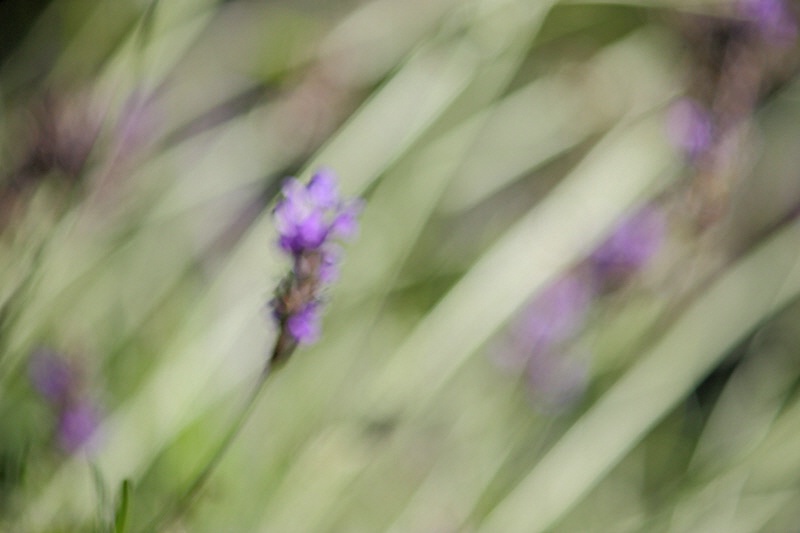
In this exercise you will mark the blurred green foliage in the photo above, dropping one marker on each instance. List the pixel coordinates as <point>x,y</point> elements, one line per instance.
<point>497,143</point>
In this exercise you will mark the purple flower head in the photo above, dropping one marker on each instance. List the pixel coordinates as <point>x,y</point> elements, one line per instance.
<point>690,128</point>
<point>56,379</point>
<point>77,423</point>
<point>551,319</point>
<point>323,189</point>
<point>309,219</point>
<point>304,325</point>
<point>345,225</point>
<point>329,267</point>
<point>773,19</point>
<point>308,215</point>
<point>539,343</point>
<point>51,375</point>
<point>632,244</point>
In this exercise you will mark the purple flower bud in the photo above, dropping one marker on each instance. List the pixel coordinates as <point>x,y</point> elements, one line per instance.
<point>632,244</point>
<point>308,215</point>
<point>295,218</point>
<point>345,225</point>
<point>538,343</point>
<point>305,324</point>
<point>312,232</point>
<point>76,425</point>
<point>323,190</point>
<point>57,381</point>
<point>556,313</point>
<point>51,375</point>
<point>773,19</point>
<point>552,318</point>
<point>690,128</point>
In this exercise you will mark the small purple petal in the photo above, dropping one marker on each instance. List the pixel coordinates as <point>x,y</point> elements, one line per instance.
<point>51,375</point>
<point>290,244</point>
<point>323,190</point>
<point>295,206</point>
<point>293,190</point>
<point>305,324</point>
<point>345,225</point>
<point>313,231</point>
<point>773,18</point>
<point>690,127</point>
<point>555,315</point>
<point>306,216</point>
<point>76,425</point>
<point>329,269</point>
<point>632,244</point>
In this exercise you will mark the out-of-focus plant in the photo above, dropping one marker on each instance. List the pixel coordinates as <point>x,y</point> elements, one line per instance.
<point>602,196</point>
<point>59,383</point>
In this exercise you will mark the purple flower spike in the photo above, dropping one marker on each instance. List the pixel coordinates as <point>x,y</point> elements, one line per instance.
<point>51,375</point>
<point>76,425</point>
<point>632,244</point>
<point>311,233</point>
<point>309,218</point>
<point>345,225</point>
<point>58,382</point>
<point>308,215</point>
<point>773,19</point>
<point>546,324</point>
<point>539,343</point>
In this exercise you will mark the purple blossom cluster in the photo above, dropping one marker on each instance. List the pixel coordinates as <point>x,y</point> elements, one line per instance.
<point>310,219</point>
<point>726,84</point>
<point>540,340</point>
<point>773,19</point>
<point>537,343</point>
<point>556,314</point>
<point>58,382</point>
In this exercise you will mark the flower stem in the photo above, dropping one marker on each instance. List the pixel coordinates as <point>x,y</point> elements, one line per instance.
<point>177,509</point>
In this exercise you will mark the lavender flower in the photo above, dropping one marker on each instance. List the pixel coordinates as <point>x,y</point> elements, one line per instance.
<point>538,343</point>
<point>51,375</point>
<point>551,319</point>
<point>304,325</point>
<point>556,314</point>
<point>632,244</point>
<point>57,380</point>
<point>77,423</point>
<point>773,19</point>
<point>690,128</point>
<point>309,218</point>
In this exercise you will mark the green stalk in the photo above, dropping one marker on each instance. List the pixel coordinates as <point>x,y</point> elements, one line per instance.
<point>190,495</point>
